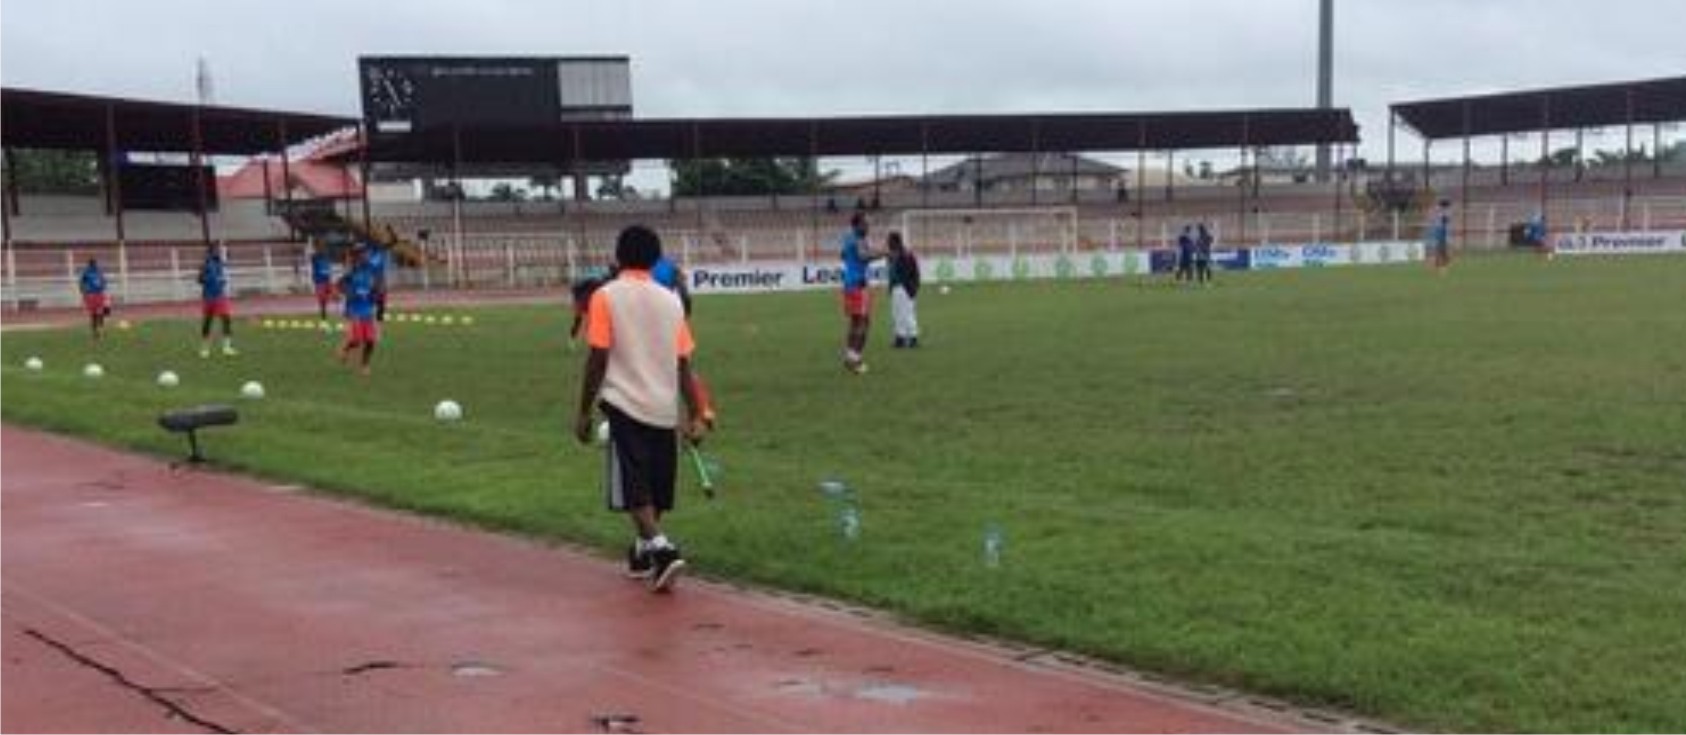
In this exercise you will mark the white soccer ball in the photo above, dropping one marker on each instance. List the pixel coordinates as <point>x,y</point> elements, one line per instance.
<point>168,379</point>
<point>447,320</point>
<point>252,390</point>
<point>943,290</point>
<point>428,319</point>
<point>93,370</point>
<point>33,363</point>
<point>602,432</point>
<point>467,321</point>
<point>447,410</point>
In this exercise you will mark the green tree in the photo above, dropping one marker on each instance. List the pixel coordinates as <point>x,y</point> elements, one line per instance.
<point>55,172</point>
<point>748,176</point>
<point>505,192</point>
<point>545,183</point>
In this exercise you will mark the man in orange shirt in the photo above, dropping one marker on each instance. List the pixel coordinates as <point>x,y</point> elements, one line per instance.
<point>638,369</point>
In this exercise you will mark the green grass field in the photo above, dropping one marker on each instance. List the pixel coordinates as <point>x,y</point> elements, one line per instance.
<point>1450,503</point>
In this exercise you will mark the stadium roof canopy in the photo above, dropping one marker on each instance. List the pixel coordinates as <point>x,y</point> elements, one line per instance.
<point>585,141</point>
<point>1603,105</point>
<point>37,119</point>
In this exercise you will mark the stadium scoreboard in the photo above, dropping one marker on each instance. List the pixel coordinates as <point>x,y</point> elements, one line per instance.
<point>415,94</point>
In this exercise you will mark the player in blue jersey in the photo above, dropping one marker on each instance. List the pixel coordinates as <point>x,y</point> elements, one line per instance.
<point>94,300</point>
<point>213,299</point>
<point>857,254</point>
<point>322,278</point>
<point>361,331</point>
<point>378,259</point>
<point>1440,236</point>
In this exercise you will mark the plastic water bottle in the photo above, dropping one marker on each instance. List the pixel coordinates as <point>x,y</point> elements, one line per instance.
<point>994,543</point>
<point>849,521</point>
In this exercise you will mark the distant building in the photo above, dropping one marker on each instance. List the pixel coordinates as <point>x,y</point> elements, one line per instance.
<point>1024,172</point>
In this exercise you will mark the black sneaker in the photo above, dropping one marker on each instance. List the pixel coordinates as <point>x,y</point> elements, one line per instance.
<point>666,566</point>
<point>898,344</point>
<point>912,342</point>
<point>638,563</point>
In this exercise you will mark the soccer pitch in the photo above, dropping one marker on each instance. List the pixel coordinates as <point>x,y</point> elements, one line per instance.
<point>1448,502</point>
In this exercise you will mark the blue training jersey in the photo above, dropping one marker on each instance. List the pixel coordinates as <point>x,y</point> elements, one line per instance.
<point>665,273</point>
<point>321,268</point>
<point>854,264</point>
<point>93,281</point>
<point>1441,231</point>
<point>359,289</point>
<point>377,260</point>
<point>213,279</point>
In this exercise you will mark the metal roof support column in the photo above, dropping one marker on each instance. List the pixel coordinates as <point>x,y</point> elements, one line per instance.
<point>1035,159</point>
<point>924,164</point>
<point>1339,174</point>
<point>1545,153</point>
<point>286,178</point>
<point>1504,159</point>
<point>455,272</point>
<point>1463,194</point>
<point>1241,182</point>
<point>1141,185</point>
<point>1627,164</point>
<point>363,174</point>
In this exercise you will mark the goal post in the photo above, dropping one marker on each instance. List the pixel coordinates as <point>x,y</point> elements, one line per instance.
<point>999,231</point>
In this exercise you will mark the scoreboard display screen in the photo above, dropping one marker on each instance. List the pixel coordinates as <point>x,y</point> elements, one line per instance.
<point>410,94</point>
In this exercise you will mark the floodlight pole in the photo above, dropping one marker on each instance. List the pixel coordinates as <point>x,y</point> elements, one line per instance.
<point>1580,153</point>
<point>1325,74</point>
<point>199,175</point>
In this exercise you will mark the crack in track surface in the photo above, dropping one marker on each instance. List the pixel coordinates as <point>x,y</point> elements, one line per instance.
<point>150,693</point>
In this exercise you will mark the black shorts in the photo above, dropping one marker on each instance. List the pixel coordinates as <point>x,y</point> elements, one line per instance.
<point>640,463</point>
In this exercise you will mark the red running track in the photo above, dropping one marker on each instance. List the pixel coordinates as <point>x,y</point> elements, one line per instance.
<point>138,598</point>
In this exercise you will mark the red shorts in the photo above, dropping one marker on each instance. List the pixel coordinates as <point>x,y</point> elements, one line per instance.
<point>857,302</point>
<point>324,292</point>
<point>362,332</point>
<point>95,303</point>
<point>217,307</point>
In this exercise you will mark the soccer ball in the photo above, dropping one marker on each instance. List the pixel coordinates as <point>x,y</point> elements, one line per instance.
<point>467,320</point>
<point>428,319</point>
<point>447,410</point>
<point>93,370</point>
<point>33,363</point>
<point>123,324</point>
<point>168,379</point>
<point>602,432</point>
<point>943,290</point>
<point>268,324</point>
<point>252,390</point>
<point>447,320</point>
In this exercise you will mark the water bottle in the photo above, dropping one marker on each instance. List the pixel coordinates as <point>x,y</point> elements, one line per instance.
<point>994,543</point>
<point>849,522</point>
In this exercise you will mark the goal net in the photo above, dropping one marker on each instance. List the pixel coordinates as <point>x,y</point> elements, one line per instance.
<point>1007,231</point>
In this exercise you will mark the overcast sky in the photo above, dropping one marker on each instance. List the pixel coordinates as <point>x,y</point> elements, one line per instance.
<point>823,57</point>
